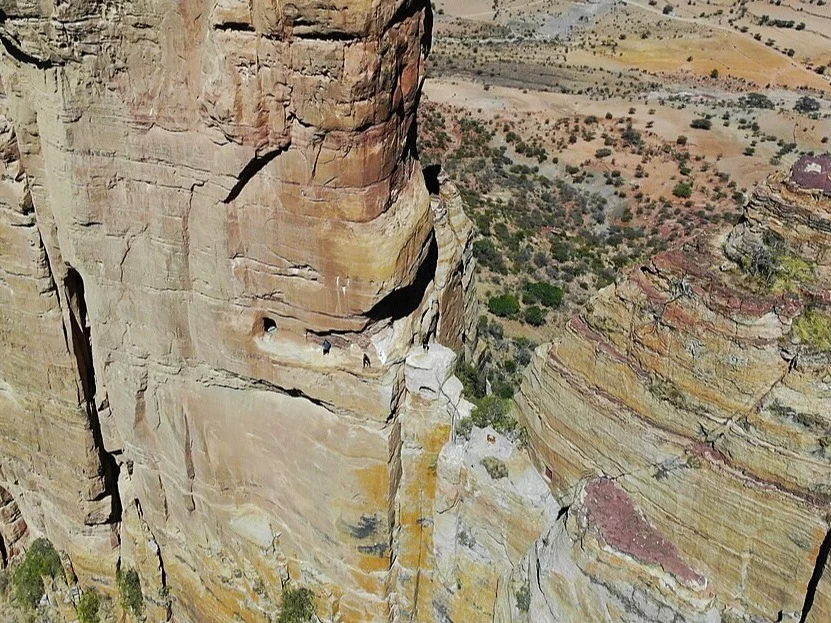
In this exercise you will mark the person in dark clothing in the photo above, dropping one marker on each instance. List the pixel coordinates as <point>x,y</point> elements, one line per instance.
<point>327,346</point>
<point>367,362</point>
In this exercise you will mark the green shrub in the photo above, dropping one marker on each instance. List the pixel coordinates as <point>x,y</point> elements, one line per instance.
<point>701,124</point>
<point>534,316</point>
<point>129,590</point>
<point>561,251</point>
<point>493,411</point>
<point>814,328</point>
<point>298,606</point>
<point>464,427</point>
<point>791,272</point>
<point>41,560</point>
<point>523,598</point>
<point>473,380</point>
<point>683,190</point>
<point>603,152</point>
<point>504,306</point>
<point>88,607</point>
<point>496,469</point>
<point>543,293</point>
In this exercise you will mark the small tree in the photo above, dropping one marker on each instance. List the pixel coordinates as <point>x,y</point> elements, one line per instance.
<point>714,74</point>
<point>668,9</point>
<point>806,104</point>
<point>701,123</point>
<point>88,606</point>
<point>543,293</point>
<point>41,560</point>
<point>681,140</point>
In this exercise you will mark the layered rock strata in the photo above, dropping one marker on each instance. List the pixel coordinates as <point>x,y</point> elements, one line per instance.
<point>195,197</point>
<point>683,419</point>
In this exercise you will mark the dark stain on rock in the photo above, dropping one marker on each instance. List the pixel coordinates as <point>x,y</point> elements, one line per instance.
<point>367,526</point>
<point>378,549</point>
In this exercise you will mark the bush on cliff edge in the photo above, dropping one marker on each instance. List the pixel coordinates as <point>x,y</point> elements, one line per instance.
<point>129,590</point>
<point>298,606</point>
<point>41,560</point>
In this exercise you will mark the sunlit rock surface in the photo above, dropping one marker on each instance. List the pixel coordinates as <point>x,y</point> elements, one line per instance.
<point>688,390</point>
<point>195,197</point>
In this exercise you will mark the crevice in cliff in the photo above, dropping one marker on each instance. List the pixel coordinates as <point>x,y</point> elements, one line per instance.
<point>254,166</point>
<point>80,332</point>
<point>235,27</point>
<point>816,576</point>
<point>82,350</point>
<point>4,554</point>
<point>22,56</point>
<point>404,301</point>
<point>333,35</point>
<point>246,381</point>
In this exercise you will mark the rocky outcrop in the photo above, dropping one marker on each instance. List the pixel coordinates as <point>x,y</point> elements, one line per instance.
<point>195,197</point>
<point>682,418</point>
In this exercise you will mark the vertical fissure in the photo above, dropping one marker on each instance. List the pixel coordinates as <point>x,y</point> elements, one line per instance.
<point>816,576</point>
<point>81,337</point>
<point>4,554</point>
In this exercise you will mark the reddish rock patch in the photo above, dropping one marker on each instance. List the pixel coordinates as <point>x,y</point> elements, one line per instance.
<point>624,528</point>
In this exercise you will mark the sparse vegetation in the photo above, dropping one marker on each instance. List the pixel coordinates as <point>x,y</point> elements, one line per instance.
<point>523,598</point>
<point>88,606</point>
<point>496,469</point>
<point>129,591</point>
<point>813,327</point>
<point>298,605</point>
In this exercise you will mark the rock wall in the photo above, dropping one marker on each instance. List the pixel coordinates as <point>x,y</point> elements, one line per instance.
<point>195,196</point>
<point>682,419</point>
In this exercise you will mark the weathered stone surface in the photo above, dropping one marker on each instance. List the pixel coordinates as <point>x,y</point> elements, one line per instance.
<point>483,527</point>
<point>194,196</point>
<point>686,384</point>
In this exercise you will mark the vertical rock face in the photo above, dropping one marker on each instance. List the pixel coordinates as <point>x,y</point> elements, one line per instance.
<point>195,197</point>
<point>684,417</point>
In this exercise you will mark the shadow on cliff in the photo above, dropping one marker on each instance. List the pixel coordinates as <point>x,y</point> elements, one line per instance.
<point>404,301</point>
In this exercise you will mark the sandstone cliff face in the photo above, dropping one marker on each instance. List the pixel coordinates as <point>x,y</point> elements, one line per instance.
<point>194,196</point>
<point>682,419</point>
